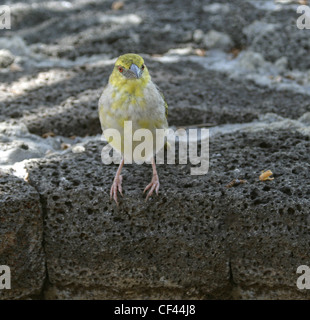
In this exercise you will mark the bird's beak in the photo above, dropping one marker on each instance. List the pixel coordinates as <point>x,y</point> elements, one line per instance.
<point>136,70</point>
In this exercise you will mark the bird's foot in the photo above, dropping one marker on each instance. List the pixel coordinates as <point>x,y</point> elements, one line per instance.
<point>116,186</point>
<point>154,185</point>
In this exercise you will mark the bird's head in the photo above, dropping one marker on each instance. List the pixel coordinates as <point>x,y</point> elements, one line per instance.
<point>130,67</point>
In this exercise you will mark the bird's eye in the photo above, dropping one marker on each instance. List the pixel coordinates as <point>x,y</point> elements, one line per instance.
<point>143,66</point>
<point>120,69</point>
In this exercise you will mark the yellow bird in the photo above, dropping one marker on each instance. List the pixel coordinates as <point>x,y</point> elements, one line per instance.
<point>130,95</point>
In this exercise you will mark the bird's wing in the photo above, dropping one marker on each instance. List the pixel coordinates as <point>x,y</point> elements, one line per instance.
<point>166,105</point>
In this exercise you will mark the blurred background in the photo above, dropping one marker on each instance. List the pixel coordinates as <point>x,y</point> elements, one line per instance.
<point>217,62</point>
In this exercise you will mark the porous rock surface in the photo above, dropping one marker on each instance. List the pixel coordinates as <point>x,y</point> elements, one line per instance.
<point>21,230</point>
<point>197,239</point>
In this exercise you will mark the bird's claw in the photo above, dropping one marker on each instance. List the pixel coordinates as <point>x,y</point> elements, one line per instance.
<point>116,186</point>
<point>153,185</point>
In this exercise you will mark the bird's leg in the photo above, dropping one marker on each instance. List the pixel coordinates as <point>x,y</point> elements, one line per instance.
<point>154,185</point>
<point>117,183</point>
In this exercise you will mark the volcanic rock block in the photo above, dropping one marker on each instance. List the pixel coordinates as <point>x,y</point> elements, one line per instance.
<point>21,231</point>
<point>197,239</point>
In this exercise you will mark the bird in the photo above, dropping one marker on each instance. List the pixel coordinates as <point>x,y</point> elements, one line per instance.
<point>131,95</point>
